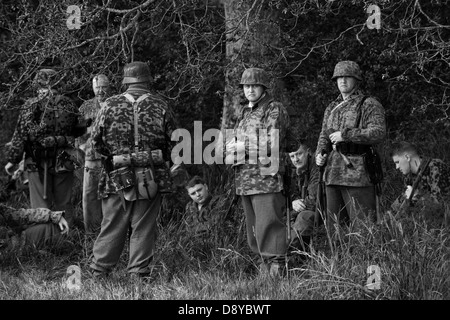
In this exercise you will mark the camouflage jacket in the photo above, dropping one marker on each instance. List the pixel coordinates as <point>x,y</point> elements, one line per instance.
<point>249,178</point>
<point>308,178</point>
<point>434,183</point>
<point>341,116</point>
<point>113,131</point>
<point>204,220</point>
<point>42,117</point>
<point>88,110</point>
<point>20,219</point>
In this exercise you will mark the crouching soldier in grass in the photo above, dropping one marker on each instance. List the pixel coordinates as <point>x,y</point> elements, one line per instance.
<point>38,227</point>
<point>201,215</point>
<point>304,181</point>
<point>427,184</point>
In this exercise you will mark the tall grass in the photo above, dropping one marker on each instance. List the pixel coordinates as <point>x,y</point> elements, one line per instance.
<point>412,259</point>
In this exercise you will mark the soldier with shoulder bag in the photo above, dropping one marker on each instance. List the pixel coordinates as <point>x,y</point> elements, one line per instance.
<point>132,132</point>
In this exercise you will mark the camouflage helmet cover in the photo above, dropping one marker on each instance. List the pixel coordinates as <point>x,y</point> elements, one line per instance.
<point>136,72</point>
<point>255,76</point>
<point>347,69</point>
<point>45,78</point>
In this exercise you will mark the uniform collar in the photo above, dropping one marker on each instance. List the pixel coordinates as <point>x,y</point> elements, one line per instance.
<point>137,90</point>
<point>205,204</point>
<point>357,93</point>
<point>264,100</point>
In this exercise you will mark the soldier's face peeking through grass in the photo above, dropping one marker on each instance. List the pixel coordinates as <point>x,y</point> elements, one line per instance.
<point>198,193</point>
<point>346,85</point>
<point>299,158</point>
<point>253,92</point>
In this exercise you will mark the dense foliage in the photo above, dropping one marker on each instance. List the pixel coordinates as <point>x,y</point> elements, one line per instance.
<point>196,50</point>
<point>406,62</point>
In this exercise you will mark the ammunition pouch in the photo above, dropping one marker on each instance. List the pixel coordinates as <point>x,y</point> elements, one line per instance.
<point>136,183</point>
<point>55,141</point>
<point>51,148</point>
<point>64,162</point>
<point>161,175</point>
<point>123,178</point>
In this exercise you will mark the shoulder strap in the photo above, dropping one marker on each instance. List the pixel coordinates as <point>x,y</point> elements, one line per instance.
<point>135,103</point>
<point>358,110</point>
<point>130,98</point>
<point>241,115</point>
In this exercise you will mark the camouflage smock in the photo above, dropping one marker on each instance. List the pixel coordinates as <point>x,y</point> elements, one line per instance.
<point>21,218</point>
<point>311,175</point>
<point>203,221</point>
<point>341,116</point>
<point>89,110</point>
<point>41,117</point>
<point>266,114</point>
<point>113,130</point>
<point>435,181</point>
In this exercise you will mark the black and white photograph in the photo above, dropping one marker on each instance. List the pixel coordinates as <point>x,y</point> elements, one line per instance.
<point>225,158</point>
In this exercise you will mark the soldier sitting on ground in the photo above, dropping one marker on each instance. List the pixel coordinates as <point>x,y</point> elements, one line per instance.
<point>35,227</point>
<point>201,218</point>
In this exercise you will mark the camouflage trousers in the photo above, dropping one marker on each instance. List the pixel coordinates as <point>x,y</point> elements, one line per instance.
<point>92,206</point>
<point>266,230</point>
<point>139,216</point>
<point>59,192</point>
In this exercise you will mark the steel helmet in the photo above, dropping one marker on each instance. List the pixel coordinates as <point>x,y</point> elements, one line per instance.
<point>255,76</point>
<point>136,72</point>
<point>45,78</point>
<point>347,69</point>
